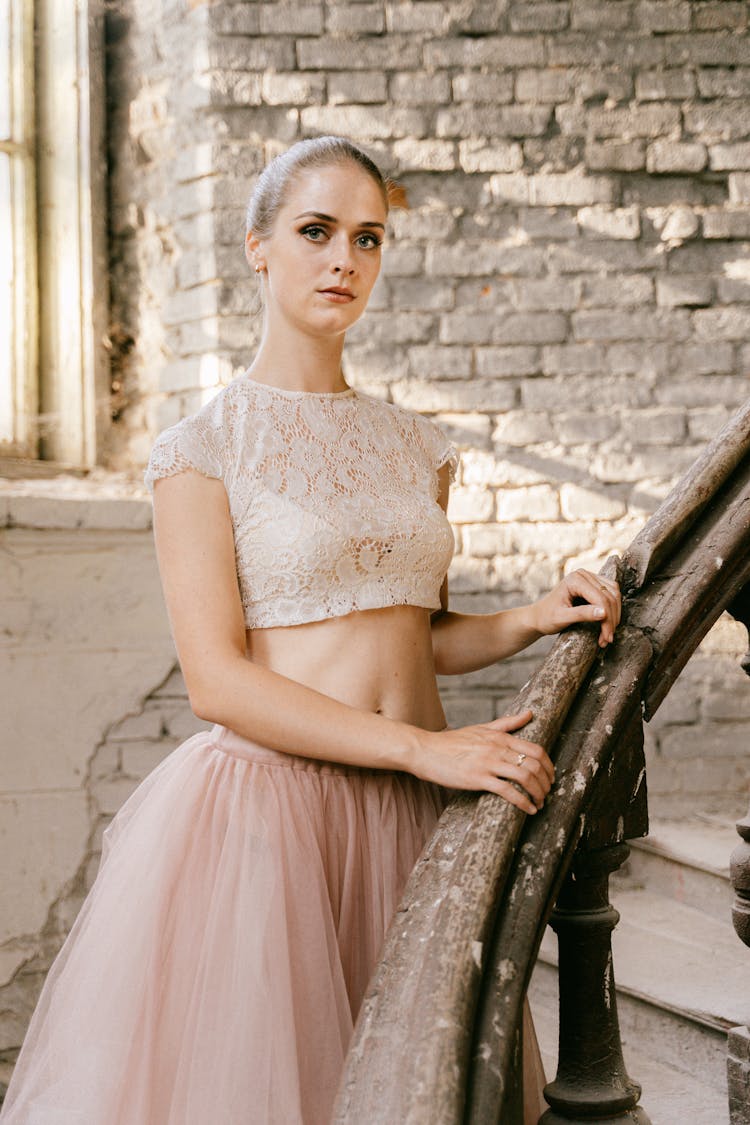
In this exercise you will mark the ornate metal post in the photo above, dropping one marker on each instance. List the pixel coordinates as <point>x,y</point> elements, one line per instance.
<point>738,1040</point>
<point>592,1083</point>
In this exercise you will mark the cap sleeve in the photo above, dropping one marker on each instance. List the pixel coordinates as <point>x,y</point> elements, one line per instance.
<point>190,444</point>
<point>441,449</point>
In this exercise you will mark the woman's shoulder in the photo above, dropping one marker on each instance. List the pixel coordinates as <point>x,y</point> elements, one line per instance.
<point>394,412</point>
<point>416,429</point>
<point>200,440</point>
<point>222,414</point>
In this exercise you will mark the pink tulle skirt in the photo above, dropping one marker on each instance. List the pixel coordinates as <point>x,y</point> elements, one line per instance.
<point>214,972</point>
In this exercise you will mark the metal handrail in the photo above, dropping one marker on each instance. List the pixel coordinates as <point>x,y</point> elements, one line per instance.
<point>437,1037</point>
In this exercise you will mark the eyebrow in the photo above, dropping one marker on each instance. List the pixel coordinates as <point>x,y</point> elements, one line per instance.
<point>330,219</point>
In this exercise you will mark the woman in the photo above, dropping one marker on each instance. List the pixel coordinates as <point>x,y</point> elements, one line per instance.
<point>216,967</point>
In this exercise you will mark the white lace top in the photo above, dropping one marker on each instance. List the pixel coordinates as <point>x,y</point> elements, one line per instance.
<point>332,498</point>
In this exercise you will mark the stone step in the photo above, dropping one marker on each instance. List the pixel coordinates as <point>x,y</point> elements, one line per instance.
<point>681,983</point>
<point>670,1094</point>
<point>684,959</point>
<point>687,861</point>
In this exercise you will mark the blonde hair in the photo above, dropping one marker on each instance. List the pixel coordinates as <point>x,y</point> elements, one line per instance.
<point>277,177</point>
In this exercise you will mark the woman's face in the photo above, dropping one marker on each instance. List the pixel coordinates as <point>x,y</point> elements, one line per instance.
<point>323,256</point>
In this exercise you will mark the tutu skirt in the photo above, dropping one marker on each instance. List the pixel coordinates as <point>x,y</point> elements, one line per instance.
<point>216,967</point>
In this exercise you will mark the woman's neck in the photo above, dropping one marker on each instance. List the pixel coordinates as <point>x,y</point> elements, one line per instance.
<point>299,363</point>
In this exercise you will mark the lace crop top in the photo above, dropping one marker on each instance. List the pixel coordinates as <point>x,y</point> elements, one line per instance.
<point>332,498</point>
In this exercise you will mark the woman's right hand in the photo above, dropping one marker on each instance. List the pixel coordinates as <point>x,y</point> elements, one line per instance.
<point>490,757</point>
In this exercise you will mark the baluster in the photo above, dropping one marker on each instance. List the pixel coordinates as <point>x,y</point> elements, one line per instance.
<point>738,1041</point>
<point>592,1082</point>
<point>739,608</point>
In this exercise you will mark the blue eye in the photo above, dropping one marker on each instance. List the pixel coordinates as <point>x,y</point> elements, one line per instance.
<point>369,241</point>
<point>312,232</point>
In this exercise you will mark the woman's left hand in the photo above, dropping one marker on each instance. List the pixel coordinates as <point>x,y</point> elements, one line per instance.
<point>556,610</point>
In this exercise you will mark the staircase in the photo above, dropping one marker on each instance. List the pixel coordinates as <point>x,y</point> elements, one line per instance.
<point>437,1037</point>
<point>680,969</point>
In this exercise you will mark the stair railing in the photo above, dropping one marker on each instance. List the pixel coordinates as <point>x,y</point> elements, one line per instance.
<point>439,1037</point>
<point>738,1043</point>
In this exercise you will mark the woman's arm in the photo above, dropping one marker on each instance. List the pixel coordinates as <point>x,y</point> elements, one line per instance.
<point>464,642</point>
<point>195,550</point>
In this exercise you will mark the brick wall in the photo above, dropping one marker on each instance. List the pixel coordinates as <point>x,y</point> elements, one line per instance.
<point>568,292</point>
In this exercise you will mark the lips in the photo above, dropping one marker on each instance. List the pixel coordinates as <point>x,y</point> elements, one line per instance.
<point>337,293</point>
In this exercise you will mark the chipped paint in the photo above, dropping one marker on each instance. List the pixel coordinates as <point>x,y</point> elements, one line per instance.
<point>476,953</point>
<point>608,978</point>
<point>506,971</point>
<point>579,782</point>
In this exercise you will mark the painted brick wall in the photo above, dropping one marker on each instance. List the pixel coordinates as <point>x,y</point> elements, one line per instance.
<point>568,292</point>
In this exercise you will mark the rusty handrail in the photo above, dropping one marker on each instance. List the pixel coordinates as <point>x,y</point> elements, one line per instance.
<point>436,1036</point>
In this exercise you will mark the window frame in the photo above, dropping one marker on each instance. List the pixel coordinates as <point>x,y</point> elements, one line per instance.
<point>66,404</point>
<point>21,394</point>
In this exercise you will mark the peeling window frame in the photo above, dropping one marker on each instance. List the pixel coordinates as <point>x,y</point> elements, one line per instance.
<point>59,368</point>
<point>19,396</point>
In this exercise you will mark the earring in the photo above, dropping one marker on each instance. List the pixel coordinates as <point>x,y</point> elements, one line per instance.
<point>257,268</point>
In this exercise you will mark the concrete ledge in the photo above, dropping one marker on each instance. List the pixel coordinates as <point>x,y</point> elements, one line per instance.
<point>99,502</point>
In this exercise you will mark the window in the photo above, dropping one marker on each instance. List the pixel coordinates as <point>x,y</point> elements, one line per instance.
<point>18,324</point>
<point>54,393</point>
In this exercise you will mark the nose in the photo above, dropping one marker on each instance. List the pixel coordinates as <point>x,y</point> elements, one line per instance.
<point>341,256</point>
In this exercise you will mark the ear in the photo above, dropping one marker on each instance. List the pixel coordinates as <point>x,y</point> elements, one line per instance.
<point>254,252</point>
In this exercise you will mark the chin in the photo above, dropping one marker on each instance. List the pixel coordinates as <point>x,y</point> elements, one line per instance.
<point>338,320</point>
<point>322,331</point>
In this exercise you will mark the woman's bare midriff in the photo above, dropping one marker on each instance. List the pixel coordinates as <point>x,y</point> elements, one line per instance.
<point>377,660</point>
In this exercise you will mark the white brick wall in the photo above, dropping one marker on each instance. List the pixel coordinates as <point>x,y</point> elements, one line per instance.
<point>568,292</point>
